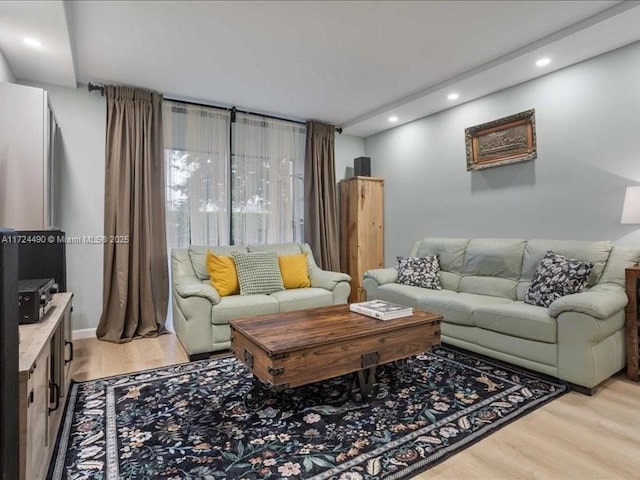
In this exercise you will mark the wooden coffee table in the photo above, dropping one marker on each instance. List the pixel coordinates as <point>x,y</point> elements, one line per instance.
<point>287,350</point>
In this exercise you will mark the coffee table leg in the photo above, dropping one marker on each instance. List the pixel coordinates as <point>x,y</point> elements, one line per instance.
<point>366,381</point>
<point>257,396</point>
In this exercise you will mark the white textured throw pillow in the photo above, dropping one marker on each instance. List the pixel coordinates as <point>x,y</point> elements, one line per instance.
<point>258,273</point>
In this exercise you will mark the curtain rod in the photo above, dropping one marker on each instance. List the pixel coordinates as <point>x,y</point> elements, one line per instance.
<point>100,88</point>
<point>93,87</point>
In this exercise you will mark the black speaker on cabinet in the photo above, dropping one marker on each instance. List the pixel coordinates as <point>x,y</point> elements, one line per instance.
<point>42,254</point>
<point>9,400</point>
<point>362,167</point>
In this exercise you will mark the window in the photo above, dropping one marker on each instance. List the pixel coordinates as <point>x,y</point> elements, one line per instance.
<point>267,165</point>
<point>196,141</point>
<point>231,183</point>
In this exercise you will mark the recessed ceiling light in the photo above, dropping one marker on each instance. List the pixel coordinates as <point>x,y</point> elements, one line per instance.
<point>32,42</point>
<point>393,119</point>
<point>543,62</point>
<point>453,96</point>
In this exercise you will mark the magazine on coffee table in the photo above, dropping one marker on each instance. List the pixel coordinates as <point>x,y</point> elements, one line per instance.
<point>381,309</point>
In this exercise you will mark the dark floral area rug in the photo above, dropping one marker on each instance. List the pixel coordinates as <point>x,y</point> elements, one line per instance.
<point>190,421</point>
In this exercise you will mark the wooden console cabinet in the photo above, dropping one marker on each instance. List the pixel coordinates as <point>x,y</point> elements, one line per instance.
<point>632,280</point>
<point>361,230</point>
<point>45,359</point>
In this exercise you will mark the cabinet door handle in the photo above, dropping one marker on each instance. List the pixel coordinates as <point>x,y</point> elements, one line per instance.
<point>31,397</point>
<point>56,393</point>
<point>67,342</point>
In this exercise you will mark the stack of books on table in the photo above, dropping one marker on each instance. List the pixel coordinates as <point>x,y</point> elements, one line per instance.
<point>381,310</point>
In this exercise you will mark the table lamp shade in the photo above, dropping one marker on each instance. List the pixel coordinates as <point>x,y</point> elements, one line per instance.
<point>631,206</point>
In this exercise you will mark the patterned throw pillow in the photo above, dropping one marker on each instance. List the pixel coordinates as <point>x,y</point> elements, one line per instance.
<point>258,273</point>
<point>419,271</point>
<point>555,277</point>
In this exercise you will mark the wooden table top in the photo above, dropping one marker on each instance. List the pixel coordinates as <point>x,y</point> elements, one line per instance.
<point>289,331</point>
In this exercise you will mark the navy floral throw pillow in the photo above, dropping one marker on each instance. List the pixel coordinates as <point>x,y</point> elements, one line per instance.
<point>556,277</point>
<point>419,271</point>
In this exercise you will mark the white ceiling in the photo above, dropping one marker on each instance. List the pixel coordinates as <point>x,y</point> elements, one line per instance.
<point>45,21</point>
<point>351,63</point>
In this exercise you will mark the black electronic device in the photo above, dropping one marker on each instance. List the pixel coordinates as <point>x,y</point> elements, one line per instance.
<point>42,254</point>
<point>34,298</point>
<point>362,167</point>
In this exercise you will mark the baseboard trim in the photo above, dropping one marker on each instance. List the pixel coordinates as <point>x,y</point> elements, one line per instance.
<point>91,333</point>
<point>83,333</point>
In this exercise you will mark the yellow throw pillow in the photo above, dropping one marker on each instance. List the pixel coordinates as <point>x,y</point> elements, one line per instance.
<point>293,269</point>
<point>223,275</point>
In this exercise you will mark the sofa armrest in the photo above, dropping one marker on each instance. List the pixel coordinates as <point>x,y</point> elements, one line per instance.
<point>184,279</point>
<point>322,278</point>
<point>601,302</point>
<point>192,287</point>
<point>326,279</point>
<point>382,275</point>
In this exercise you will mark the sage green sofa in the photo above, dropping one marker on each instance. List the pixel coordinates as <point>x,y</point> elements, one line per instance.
<point>580,338</point>
<point>201,316</point>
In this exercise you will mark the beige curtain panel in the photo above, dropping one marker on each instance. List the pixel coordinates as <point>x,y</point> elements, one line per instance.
<point>320,214</point>
<point>136,282</point>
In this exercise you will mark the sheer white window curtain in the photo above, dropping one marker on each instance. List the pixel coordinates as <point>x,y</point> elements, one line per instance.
<point>196,140</point>
<point>252,193</point>
<point>267,180</point>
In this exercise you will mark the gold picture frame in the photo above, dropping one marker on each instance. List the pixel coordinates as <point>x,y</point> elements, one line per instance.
<point>504,141</point>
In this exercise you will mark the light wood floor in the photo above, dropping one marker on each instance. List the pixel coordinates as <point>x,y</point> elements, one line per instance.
<point>573,437</point>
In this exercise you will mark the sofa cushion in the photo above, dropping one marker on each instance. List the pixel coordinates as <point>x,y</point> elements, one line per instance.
<point>596,252</point>
<point>419,271</point>
<point>294,271</point>
<point>258,272</point>
<point>518,319</point>
<point>450,253</point>
<point>223,274</point>
<point>198,255</point>
<point>492,286</point>
<point>457,308</point>
<point>408,294</point>
<point>302,298</point>
<point>494,257</point>
<point>238,306</point>
<point>556,277</point>
<point>492,267</point>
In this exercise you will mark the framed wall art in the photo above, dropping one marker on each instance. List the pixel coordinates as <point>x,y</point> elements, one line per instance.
<point>504,141</point>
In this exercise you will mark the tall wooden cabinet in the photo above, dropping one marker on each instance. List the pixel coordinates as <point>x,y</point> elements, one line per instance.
<point>45,355</point>
<point>361,229</point>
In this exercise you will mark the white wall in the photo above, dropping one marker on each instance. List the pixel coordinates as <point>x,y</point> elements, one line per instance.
<point>6,74</point>
<point>82,119</point>
<point>347,147</point>
<point>588,151</point>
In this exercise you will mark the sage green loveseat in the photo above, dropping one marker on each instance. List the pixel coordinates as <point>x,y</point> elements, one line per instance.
<point>201,316</point>
<point>580,338</point>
